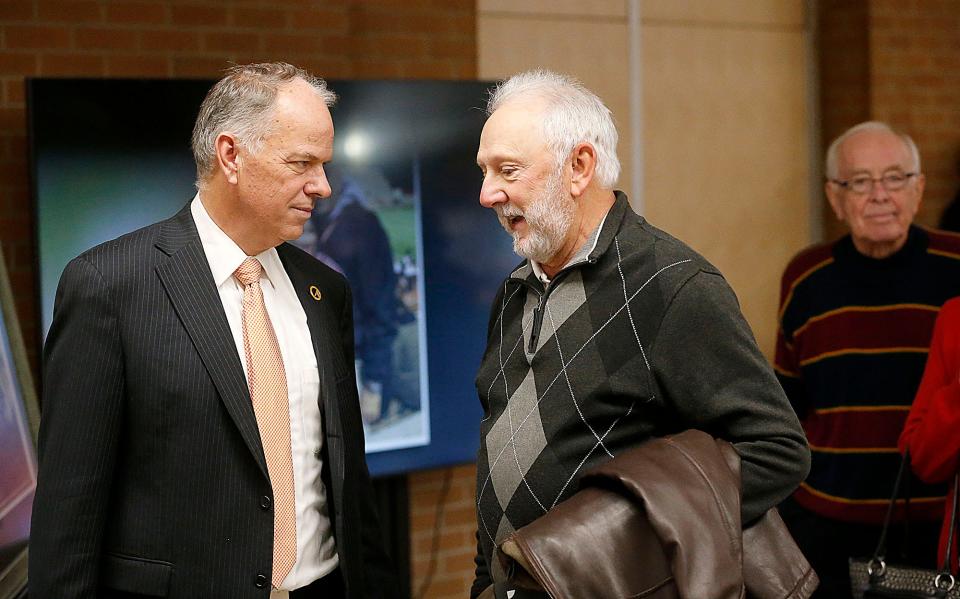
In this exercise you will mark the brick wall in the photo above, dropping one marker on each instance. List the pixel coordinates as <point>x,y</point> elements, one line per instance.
<point>915,74</point>
<point>896,61</point>
<point>442,557</point>
<point>370,39</point>
<point>844,67</point>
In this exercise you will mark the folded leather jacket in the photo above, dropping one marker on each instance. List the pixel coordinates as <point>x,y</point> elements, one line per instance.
<point>661,521</point>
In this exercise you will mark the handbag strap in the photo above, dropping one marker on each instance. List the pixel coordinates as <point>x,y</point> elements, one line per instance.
<point>945,581</point>
<point>880,553</point>
<point>953,526</point>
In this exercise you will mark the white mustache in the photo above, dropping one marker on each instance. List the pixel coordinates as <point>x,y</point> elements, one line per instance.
<point>509,211</point>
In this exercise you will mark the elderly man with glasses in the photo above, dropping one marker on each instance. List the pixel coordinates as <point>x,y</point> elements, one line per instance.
<point>856,317</point>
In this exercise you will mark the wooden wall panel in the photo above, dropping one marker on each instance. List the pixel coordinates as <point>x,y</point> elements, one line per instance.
<point>724,117</point>
<point>726,150</point>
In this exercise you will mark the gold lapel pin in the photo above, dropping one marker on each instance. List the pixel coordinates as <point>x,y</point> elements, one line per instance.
<point>315,293</point>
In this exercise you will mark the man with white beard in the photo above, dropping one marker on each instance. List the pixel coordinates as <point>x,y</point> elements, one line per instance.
<point>609,333</point>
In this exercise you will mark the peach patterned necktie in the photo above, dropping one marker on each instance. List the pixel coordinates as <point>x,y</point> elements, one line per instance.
<point>268,391</point>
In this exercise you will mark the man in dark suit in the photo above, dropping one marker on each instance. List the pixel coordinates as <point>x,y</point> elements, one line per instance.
<point>201,434</point>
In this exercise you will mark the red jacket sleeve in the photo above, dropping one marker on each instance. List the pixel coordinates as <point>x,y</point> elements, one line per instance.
<point>931,431</point>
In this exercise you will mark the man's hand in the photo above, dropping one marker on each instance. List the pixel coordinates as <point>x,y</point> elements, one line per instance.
<point>522,576</point>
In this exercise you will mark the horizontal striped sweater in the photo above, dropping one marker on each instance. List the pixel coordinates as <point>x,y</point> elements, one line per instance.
<point>852,341</point>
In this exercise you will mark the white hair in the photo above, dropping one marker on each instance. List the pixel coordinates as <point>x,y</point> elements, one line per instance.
<point>573,115</point>
<point>242,103</point>
<point>833,152</point>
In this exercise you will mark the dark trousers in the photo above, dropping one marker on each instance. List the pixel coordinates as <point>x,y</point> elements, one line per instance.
<point>828,544</point>
<point>328,587</point>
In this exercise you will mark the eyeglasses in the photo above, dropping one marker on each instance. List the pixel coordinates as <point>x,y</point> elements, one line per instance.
<point>863,184</point>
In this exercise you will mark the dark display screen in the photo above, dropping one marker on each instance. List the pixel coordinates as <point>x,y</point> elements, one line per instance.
<point>404,226</point>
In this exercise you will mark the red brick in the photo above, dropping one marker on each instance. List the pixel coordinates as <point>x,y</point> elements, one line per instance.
<point>14,234</point>
<point>462,515</point>
<point>85,11</point>
<point>377,69</point>
<point>394,21</point>
<point>260,18</point>
<point>199,15</point>
<point>327,68</point>
<point>20,280</point>
<point>388,45</point>
<point>444,589</point>
<point>16,145</point>
<point>293,43</point>
<point>17,63</point>
<point>16,193</point>
<point>255,57</point>
<point>422,521</point>
<point>13,91</point>
<point>452,48</point>
<point>36,37</point>
<point>462,6</point>
<point>391,5</point>
<point>230,42</point>
<point>335,44</point>
<point>16,10</point>
<point>138,12</point>
<point>137,66</point>
<point>456,564</point>
<point>321,20</point>
<point>74,65</point>
<point>454,540</point>
<point>169,40</point>
<point>427,69</point>
<point>12,119</point>
<point>14,171</point>
<point>107,38</point>
<point>464,71</point>
<point>192,66</point>
<point>425,498</point>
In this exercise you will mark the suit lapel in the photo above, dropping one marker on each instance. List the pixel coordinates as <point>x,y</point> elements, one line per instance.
<point>186,277</point>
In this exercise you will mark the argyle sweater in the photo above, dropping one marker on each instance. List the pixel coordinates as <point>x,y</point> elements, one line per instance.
<point>638,336</point>
<point>853,338</point>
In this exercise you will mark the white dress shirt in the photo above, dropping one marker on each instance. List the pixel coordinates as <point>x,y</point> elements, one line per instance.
<point>316,549</point>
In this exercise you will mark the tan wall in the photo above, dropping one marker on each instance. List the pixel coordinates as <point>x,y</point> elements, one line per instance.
<point>726,138</point>
<point>725,123</point>
<point>587,40</point>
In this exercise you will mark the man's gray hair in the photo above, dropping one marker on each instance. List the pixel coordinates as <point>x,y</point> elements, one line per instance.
<point>573,115</point>
<point>242,103</point>
<point>833,152</point>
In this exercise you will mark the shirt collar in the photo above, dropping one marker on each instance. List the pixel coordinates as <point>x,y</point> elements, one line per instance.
<point>223,254</point>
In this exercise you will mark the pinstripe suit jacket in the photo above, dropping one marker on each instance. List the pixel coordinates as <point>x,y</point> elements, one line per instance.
<point>152,476</point>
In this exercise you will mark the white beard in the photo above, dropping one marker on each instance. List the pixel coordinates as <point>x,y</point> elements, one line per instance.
<point>549,218</point>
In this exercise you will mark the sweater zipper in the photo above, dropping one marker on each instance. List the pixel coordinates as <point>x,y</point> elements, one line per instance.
<point>537,320</point>
<point>542,302</point>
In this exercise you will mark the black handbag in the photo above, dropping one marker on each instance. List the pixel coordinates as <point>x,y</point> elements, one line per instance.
<point>874,578</point>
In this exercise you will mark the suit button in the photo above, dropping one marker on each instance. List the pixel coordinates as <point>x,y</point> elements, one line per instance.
<point>265,502</point>
<point>261,581</point>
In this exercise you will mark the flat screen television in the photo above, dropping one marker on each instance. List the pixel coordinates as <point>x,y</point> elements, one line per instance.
<point>404,226</point>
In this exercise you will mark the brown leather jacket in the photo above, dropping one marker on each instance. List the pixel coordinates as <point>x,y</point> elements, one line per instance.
<point>661,521</point>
